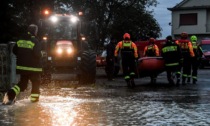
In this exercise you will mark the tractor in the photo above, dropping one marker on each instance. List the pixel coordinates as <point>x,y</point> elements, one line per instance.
<point>65,49</point>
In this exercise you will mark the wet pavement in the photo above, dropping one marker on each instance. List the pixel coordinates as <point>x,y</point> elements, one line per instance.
<point>64,103</point>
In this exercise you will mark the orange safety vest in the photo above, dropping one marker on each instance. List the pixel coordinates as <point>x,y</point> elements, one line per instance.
<point>186,47</point>
<point>126,44</point>
<point>151,50</point>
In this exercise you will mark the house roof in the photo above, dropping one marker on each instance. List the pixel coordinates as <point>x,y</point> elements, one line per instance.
<point>181,3</point>
<point>192,6</point>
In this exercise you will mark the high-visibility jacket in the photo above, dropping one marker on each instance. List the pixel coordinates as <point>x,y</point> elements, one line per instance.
<point>28,52</point>
<point>151,50</point>
<point>186,47</point>
<point>171,53</point>
<point>126,47</point>
<point>197,50</point>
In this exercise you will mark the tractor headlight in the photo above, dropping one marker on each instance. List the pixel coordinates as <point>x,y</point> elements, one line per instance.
<point>59,51</point>
<point>44,38</point>
<point>83,38</point>
<point>69,50</point>
<point>54,19</point>
<point>74,19</point>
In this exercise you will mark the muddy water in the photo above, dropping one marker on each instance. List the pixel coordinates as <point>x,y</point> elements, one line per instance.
<point>113,104</point>
<point>94,106</point>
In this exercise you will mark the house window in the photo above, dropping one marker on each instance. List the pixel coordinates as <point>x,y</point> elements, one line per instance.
<point>188,19</point>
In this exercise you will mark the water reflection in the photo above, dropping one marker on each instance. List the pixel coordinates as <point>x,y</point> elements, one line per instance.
<point>60,110</point>
<point>87,106</point>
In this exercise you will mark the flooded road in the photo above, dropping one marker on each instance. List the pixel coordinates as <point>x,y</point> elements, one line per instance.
<point>112,103</point>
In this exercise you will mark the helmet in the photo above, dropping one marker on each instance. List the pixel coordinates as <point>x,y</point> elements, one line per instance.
<point>184,35</point>
<point>193,38</point>
<point>169,39</point>
<point>151,41</point>
<point>33,29</point>
<point>126,36</point>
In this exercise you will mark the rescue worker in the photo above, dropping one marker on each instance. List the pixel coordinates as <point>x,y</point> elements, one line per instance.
<point>171,53</point>
<point>110,59</point>
<point>187,53</point>
<point>28,53</point>
<point>151,49</point>
<point>195,60</point>
<point>129,56</point>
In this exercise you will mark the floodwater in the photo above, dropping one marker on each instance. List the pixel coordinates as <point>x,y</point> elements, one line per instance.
<point>113,104</point>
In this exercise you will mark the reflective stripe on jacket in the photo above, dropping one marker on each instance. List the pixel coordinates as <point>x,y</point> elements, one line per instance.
<point>126,45</point>
<point>171,53</point>
<point>151,50</point>
<point>172,64</point>
<point>34,97</point>
<point>25,44</point>
<point>28,68</point>
<point>186,47</point>
<point>28,53</point>
<point>197,50</point>
<point>169,49</point>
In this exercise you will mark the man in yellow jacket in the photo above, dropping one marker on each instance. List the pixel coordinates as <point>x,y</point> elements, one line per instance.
<point>151,49</point>
<point>28,52</point>
<point>188,54</point>
<point>129,55</point>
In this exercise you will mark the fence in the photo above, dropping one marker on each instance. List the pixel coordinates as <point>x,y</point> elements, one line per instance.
<point>7,66</point>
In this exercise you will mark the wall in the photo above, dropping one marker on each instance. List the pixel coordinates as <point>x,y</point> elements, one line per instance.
<point>192,3</point>
<point>200,28</point>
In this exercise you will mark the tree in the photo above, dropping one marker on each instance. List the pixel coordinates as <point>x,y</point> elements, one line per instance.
<point>102,18</point>
<point>112,18</point>
<point>6,22</point>
<point>17,15</point>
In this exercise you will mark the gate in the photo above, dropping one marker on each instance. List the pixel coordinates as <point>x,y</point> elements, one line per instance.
<point>7,66</point>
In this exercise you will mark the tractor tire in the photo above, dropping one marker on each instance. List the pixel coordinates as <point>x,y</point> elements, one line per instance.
<point>87,67</point>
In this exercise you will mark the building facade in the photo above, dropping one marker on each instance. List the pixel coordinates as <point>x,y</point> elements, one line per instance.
<point>193,17</point>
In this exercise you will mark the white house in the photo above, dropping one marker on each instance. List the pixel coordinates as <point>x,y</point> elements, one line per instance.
<point>191,16</point>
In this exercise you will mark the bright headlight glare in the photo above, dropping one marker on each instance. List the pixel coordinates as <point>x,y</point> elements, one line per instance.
<point>69,50</point>
<point>44,38</point>
<point>74,19</point>
<point>46,12</point>
<point>59,51</point>
<point>54,19</point>
<point>83,38</point>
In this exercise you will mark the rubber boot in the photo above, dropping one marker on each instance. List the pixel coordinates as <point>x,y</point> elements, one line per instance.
<point>132,83</point>
<point>153,80</point>
<point>178,81</point>
<point>9,98</point>
<point>128,82</point>
<point>34,98</point>
<point>194,81</point>
<point>188,80</point>
<point>171,81</point>
<point>183,81</point>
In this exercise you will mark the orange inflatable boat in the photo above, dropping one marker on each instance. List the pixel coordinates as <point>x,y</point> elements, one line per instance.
<point>150,65</point>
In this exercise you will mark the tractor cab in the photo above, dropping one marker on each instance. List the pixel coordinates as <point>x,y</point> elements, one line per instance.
<point>63,27</point>
<point>66,49</point>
